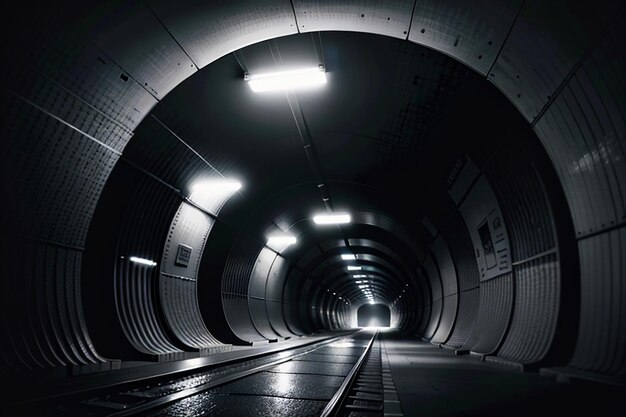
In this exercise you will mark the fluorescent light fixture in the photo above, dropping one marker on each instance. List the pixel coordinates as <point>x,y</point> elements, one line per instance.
<point>142,261</point>
<point>223,185</point>
<point>359,276</point>
<point>363,286</point>
<point>359,282</point>
<point>354,268</point>
<point>281,240</point>
<point>211,194</point>
<point>335,218</point>
<point>287,80</point>
<point>348,257</point>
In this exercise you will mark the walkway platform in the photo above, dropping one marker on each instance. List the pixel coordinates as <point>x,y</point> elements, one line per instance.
<point>431,381</point>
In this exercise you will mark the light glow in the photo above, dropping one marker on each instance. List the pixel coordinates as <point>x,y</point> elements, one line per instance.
<point>335,218</point>
<point>354,268</point>
<point>359,276</point>
<point>213,193</point>
<point>281,240</point>
<point>348,257</point>
<point>142,261</point>
<point>287,80</point>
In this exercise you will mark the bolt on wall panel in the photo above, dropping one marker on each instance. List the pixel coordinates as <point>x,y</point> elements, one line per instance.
<point>133,37</point>
<point>182,252</point>
<point>390,18</point>
<point>546,42</point>
<point>209,30</point>
<point>472,32</point>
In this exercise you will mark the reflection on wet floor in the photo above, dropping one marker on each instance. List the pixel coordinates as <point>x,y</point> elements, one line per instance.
<point>299,387</point>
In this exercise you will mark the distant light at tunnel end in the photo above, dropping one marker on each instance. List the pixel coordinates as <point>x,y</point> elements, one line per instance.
<point>283,80</point>
<point>334,218</point>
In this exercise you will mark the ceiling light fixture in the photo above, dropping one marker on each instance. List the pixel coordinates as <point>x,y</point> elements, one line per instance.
<point>211,194</point>
<point>359,276</point>
<point>348,257</point>
<point>354,268</point>
<point>287,80</point>
<point>335,218</point>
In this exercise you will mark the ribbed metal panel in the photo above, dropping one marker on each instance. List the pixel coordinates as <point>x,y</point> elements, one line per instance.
<point>444,26</point>
<point>145,228</point>
<point>462,253</point>
<point>54,178</point>
<point>464,264</point>
<point>447,272</point>
<point>543,46</point>
<point>177,283</point>
<point>73,115</point>
<point>535,315</point>
<point>602,334</point>
<point>235,285</point>
<point>449,290</point>
<point>274,296</point>
<point>494,312</point>
<point>237,312</point>
<point>209,30</point>
<point>306,310</point>
<point>258,278</point>
<point>433,278</point>
<point>582,131</point>
<point>449,307</point>
<point>290,305</point>
<point>391,18</point>
<point>469,302</point>
<point>43,325</point>
<point>257,293</point>
<point>436,303</point>
<point>523,201</point>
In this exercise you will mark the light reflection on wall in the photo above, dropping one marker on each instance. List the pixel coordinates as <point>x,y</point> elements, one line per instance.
<point>212,194</point>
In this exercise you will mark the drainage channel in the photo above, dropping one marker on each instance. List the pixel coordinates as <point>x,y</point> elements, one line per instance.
<point>299,381</point>
<point>362,394</point>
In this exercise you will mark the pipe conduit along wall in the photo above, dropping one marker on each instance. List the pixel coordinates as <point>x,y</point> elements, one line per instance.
<point>83,77</point>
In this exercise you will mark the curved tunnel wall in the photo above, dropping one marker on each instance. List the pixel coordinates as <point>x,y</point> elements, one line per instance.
<point>74,100</point>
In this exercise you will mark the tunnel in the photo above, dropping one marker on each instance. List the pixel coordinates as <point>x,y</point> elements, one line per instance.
<point>172,212</point>
<point>373,315</point>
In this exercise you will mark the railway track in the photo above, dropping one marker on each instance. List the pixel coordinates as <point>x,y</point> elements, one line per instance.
<point>338,376</point>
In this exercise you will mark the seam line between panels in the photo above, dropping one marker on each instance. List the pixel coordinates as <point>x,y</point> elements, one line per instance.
<point>49,114</point>
<point>581,61</point>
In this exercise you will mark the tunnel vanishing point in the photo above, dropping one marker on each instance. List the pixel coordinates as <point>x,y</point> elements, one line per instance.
<point>159,206</point>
